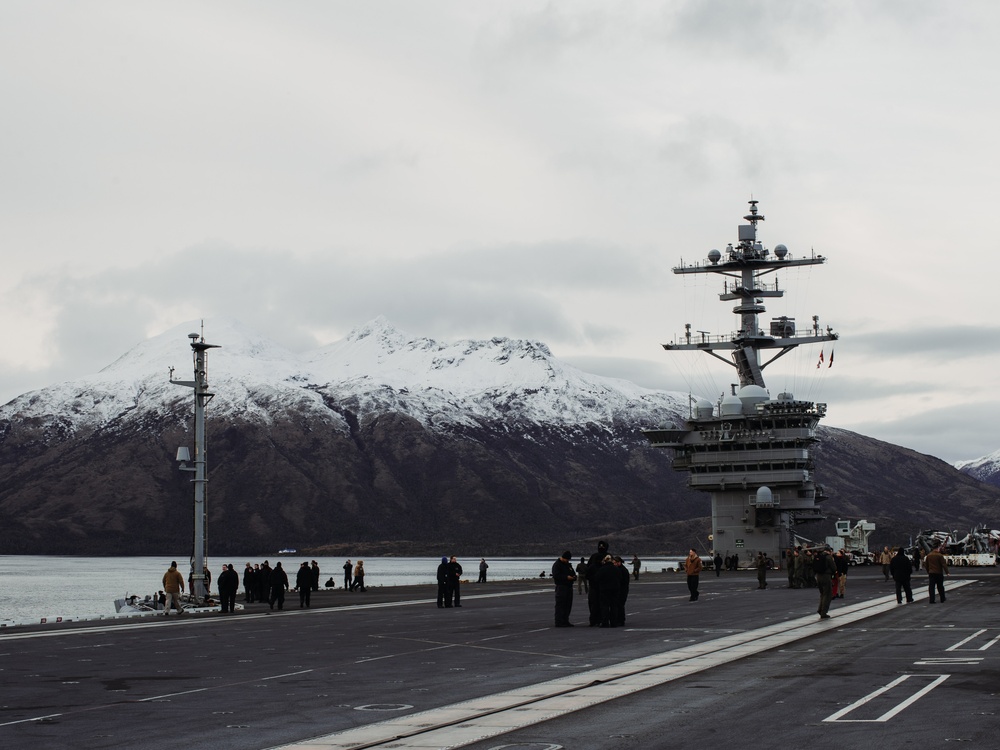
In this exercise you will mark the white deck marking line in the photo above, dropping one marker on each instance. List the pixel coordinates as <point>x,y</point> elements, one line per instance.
<point>33,718</point>
<point>369,659</point>
<point>965,640</point>
<point>948,661</point>
<point>287,674</point>
<point>958,646</point>
<point>989,643</point>
<point>82,628</point>
<point>836,717</point>
<point>481,718</point>
<point>170,695</point>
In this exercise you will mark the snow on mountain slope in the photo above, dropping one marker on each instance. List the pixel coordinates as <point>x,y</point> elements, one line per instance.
<point>985,468</point>
<point>376,368</point>
<point>494,379</point>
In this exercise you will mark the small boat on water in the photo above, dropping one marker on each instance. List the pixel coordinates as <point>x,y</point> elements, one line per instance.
<point>287,551</point>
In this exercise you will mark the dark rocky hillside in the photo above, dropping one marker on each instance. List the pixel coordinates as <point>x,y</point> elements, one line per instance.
<point>392,486</point>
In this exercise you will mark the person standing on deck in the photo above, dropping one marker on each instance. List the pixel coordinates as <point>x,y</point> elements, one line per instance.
<point>279,585</point>
<point>348,567</point>
<point>593,566</point>
<point>173,585</point>
<point>563,577</point>
<point>607,582</point>
<point>885,560</point>
<point>824,568</point>
<point>842,565</point>
<point>315,576</point>
<point>693,567</point>
<point>444,598</point>
<point>248,584</point>
<point>359,577</point>
<point>762,571</point>
<point>455,579</point>
<point>582,586</point>
<point>303,582</point>
<point>901,572</point>
<point>483,565</point>
<point>229,584</point>
<point>937,569</point>
<point>618,615</point>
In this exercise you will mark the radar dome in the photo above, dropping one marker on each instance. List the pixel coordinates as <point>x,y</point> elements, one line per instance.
<point>703,409</point>
<point>780,250</point>
<point>752,394</point>
<point>765,496</point>
<point>731,406</point>
<point>714,256</point>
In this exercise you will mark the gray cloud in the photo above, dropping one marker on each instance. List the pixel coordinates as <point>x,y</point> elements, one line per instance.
<point>512,290</point>
<point>955,433</point>
<point>927,342</point>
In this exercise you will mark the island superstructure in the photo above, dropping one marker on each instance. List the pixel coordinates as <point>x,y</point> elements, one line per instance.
<point>750,450</point>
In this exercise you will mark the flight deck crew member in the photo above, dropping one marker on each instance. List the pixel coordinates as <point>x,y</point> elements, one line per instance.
<point>593,599</point>
<point>249,587</point>
<point>901,571</point>
<point>937,569</point>
<point>483,566</point>
<point>279,584</point>
<point>455,579</point>
<point>229,584</point>
<point>842,565</point>
<point>347,575</point>
<point>563,577</point>
<point>762,571</point>
<point>692,566</point>
<point>607,582</point>
<point>173,585</point>
<point>824,568</point>
<point>885,560</point>
<point>444,592</point>
<point>359,577</point>
<point>618,615</point>
<point>303,582</point>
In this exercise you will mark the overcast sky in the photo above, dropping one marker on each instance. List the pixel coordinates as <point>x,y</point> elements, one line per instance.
<point>521,169</point>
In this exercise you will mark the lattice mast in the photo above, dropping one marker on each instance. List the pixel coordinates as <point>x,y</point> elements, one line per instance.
<point>750,449</point>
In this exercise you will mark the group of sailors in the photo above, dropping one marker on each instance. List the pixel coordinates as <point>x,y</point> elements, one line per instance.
<point>605,578</point>
<point>262,583</point>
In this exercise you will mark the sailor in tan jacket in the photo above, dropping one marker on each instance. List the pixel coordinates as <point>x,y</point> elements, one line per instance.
<point>173,585</point>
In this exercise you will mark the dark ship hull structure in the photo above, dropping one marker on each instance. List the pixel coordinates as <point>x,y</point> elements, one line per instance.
<point>749,450</point>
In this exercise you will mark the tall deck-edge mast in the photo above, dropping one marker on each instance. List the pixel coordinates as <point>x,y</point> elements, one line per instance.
<point>202,396</point>
<point>750,451</point>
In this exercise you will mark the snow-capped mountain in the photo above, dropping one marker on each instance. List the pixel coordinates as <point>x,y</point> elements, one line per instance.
<point>985,469</point>
<point>376,368</point>
<point>390,443</point>
<point>380,435</point>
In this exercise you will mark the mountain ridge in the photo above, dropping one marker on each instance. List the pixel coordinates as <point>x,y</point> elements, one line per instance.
<point>392,441</point>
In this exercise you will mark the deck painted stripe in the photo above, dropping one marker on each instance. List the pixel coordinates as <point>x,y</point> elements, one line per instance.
<point>482,718</point>
<point>838,716</point>
<point>85,627</point>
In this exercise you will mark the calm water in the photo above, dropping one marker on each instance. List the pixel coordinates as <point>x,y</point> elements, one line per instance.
<point>33,587</point>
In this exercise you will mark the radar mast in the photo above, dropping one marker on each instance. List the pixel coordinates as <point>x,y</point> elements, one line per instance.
<point>750,451</point>
<point>202,396</point>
